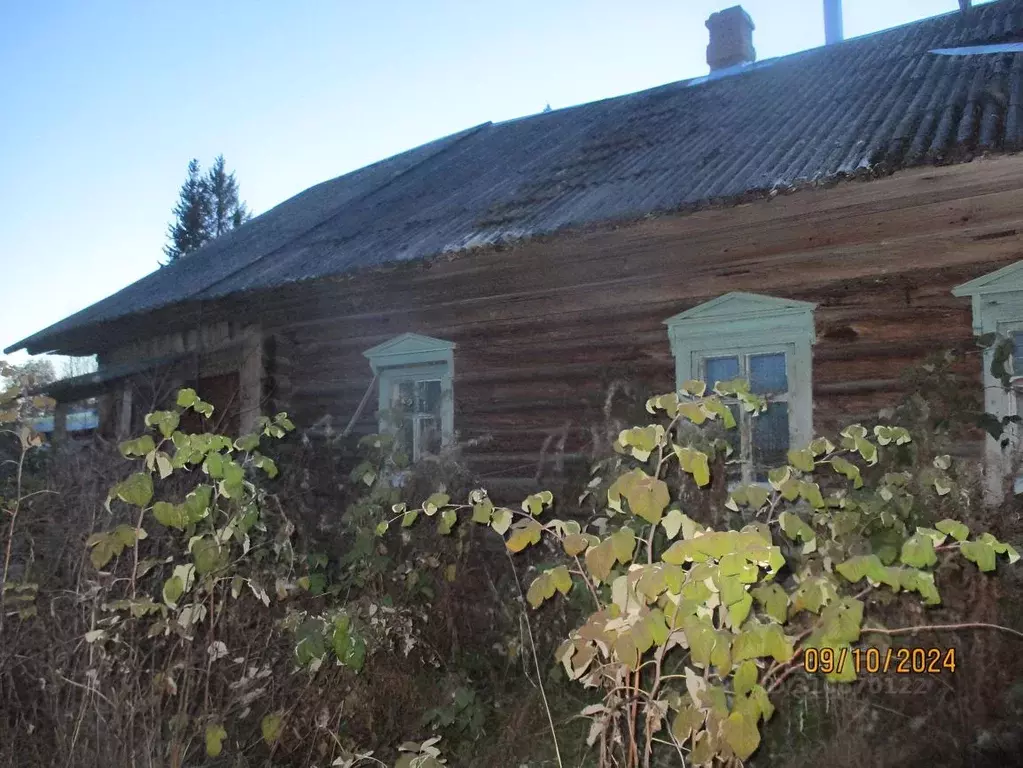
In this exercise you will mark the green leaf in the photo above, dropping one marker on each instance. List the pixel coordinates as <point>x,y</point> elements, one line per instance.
<point>979,552</point>
<point>1012,554</point>
<point>922,582</point>
<point>197,503</point>
<point>847,468</point>
<point>688,720</point>
<point>214,466</point>
<point>575,544</point>
<point>164,465</point>
<point>448,518</point>
<point>435,502</point>
<point>918,551</point>
<point>355,655</point>
<point>137,447</point>
<point>187,398</point>
<point>104,549</point>
<point>381,528</point>
<point>741,734</point>
<point>778,477</point>
<point>340,638</point>
<point>483,512</point>
<point>672,522</point>
<point>774,600</point>
<point>535,503</point>
<point>796,529</point>
<point>215,735</point>
<point>266,464</point>
<point>561,579</point>
<point>136,490</point>
<point>745,677</point>
<point>757,496</point>
<point>502,520</point>
<point>802,460</point>
<point>812,493</point>
<point>648,497</point>
<point>247,442</point>
<point>641,441</point>
<point>208,555</point>
<point>701,469</point>
<point>173,589</point>
<point>541,589</point>
<point>757,641</point>
<point>523,534</point>
<point>867,450</point>
<point>167,422</point>
<point>271,728</point>
<point>600,560</point>
<point>954,528</point>
<point>623,543</point>
<point>738,611</point>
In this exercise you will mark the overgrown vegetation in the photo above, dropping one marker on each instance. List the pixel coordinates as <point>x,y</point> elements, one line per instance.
<point>183,604</point>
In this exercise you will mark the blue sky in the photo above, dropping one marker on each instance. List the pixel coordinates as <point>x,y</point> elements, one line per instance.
<point>104,102</point>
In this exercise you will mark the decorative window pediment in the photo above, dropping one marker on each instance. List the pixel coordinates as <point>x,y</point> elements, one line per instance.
<point>745,313</point>
<point>409,349</point>
<point>416,393</point>
<point>766,341</point>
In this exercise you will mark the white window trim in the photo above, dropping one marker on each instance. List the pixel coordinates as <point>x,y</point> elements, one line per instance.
<point>997,306</point>
<point>744,323</point>
<point>411,357</point>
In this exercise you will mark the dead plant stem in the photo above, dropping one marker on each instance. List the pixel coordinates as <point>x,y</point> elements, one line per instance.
<point>536,660</point>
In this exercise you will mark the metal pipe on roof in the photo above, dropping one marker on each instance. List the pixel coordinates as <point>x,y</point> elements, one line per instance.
<point>833,22</point>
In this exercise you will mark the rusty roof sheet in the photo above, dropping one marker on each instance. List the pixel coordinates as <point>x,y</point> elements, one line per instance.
<point>872,104</point>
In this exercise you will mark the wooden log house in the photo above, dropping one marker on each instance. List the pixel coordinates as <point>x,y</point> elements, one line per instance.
<point>818,222</point>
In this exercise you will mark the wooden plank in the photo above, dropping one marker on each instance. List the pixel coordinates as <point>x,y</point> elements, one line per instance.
<point>543,327</point>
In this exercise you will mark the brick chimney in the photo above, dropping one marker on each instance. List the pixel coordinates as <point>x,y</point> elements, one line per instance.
<point>731,39</point>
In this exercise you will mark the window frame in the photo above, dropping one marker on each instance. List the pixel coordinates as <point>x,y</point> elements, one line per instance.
<point>996,301</point>
<point>744,425</point>
<point>391,380</point>
<point>411,357</point>
<point>744,324</point>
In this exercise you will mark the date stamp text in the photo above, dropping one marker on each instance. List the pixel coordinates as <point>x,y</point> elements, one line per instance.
<point>873,661</point>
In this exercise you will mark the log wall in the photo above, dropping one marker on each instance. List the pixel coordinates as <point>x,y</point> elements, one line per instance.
<point>543,328</point>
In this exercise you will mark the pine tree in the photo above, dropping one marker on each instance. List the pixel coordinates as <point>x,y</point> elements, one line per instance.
<point>208,207</point>
<point>226,211</point>
<point>191,227</point>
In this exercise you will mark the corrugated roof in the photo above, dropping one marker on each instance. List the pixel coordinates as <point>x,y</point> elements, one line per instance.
<point>872,104</point>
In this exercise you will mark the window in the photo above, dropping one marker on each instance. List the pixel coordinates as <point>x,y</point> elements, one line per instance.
<point>767,342</point>
<point>997,305</point>
<point>415,394</point>
<point>416,402</point>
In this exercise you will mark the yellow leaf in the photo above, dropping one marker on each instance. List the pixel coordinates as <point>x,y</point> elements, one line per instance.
<point>215,735</point>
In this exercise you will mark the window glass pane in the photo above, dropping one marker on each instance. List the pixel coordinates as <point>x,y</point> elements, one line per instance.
<point>428,397</point>
<point>429,435</point>
<point>720,369</point>
<point>767,373</point>
<point>770,438</point>
<point>1017,354</point>
<point>405,440</point>
<point>406,399</point>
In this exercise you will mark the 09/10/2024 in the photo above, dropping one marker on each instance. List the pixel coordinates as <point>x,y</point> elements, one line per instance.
<point>901,661</point>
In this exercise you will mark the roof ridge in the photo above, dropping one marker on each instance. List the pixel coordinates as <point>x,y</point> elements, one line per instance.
<point>870,105</point>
